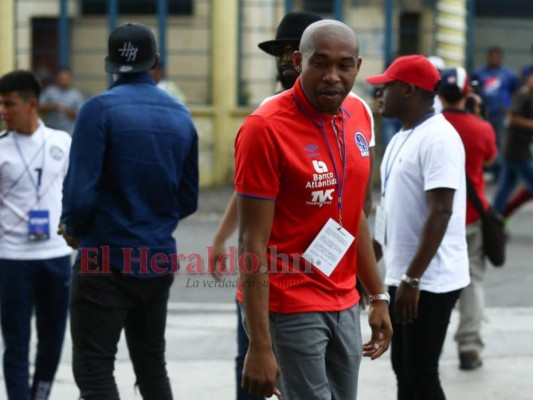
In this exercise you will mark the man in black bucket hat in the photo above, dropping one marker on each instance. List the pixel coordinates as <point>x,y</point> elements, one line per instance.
<point>133,175</point>
<point>287,40</point>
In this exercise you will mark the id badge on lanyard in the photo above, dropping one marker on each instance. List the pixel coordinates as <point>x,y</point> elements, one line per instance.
<point>38,220</point>
<point>38,225</point>
<point>329,246</point>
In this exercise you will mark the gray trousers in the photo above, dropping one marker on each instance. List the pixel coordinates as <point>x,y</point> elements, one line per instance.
<point>319,354</point>
<point>472,299</point>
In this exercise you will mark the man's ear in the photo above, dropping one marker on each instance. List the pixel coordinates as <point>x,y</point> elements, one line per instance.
<point>156,61</point>
<point>297,60</point>
<point>33,102</point>
<point>409,89</point>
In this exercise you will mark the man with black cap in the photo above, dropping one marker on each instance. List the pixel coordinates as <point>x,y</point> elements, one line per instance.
<point>479,140</point>
<point>133,176</point>
<point>420,224</point>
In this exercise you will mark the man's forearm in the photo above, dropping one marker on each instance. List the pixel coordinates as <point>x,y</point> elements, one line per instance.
<point>367,269</point>
<point>430,239</point>
<point>255,291</point>
<point>229,222</point>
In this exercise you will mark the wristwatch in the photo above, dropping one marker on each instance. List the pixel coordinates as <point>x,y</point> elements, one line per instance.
<point>379,297</point>
<point>413,282</point>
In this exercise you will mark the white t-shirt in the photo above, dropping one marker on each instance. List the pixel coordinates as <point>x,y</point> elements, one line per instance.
<point>18,194</point>
<point>428,157</point>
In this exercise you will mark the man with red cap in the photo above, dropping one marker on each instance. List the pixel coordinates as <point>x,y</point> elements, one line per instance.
<point>420,224</point>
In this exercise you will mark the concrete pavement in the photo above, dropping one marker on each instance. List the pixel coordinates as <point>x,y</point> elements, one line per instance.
<point>201,342</point>
<point>201,348</point>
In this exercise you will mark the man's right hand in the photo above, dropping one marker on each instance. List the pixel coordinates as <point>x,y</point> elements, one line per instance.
<point>71,240</point>
<point>217,264</point>
<point>260,372</point>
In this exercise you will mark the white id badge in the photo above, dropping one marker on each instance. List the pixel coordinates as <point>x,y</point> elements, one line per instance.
<point>328,247</point>
<point>380,227</point>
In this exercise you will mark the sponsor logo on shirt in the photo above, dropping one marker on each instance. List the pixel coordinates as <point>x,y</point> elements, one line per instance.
<point>492,84</point>
<point>322,178</point>
<point>321,197</point>
<point>320,166</point>
<point>311,149</point>
<point>362,144</point>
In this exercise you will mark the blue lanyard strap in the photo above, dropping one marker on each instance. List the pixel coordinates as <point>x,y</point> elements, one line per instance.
<point>340,185</point>
<point>36,183</point>
<point>390,162</point>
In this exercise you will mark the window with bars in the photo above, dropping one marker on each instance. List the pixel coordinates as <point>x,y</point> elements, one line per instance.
<point>136,7</point>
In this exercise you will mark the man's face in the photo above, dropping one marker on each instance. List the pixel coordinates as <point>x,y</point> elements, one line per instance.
<point>63,79</point>
<point>15,111</point>
<point>390,99</point>
<point>328,71</point>
<point>287,74</point>
<point>494,58</point>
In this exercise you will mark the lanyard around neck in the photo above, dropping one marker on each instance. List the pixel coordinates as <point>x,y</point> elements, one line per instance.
<point>390,160</point>
<point>35,182</point>
<point>321,126</point>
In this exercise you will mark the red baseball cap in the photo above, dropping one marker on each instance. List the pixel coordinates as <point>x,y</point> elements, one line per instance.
<point>416,70</point>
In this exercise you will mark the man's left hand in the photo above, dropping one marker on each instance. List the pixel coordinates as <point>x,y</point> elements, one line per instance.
<point>406,304</point>
<point>380,324</point>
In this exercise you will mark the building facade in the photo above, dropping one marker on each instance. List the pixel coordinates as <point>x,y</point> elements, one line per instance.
<point>209,47</point>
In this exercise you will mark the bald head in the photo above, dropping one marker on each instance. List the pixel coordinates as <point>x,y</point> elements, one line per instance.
<point>328,62</point>
<point>321,30</point>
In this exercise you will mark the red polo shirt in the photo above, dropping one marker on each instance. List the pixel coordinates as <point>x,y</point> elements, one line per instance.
<point>289,153</point>
<point>479,141</point>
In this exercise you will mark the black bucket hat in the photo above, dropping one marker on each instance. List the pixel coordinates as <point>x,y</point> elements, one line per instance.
<point>131,48</point>
<point>290,29</point>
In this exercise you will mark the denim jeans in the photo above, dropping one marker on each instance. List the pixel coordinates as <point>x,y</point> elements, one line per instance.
<point>101,306</point>
<point>26,286</point>
<point>511,172</point>
<point>416,347</point>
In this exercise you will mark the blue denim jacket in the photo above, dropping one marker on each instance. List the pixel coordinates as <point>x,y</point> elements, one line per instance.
<point>133,174</point>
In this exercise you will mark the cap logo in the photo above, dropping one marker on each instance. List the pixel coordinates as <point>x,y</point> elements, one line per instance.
<point>125,68</point>
<point>128,51</point>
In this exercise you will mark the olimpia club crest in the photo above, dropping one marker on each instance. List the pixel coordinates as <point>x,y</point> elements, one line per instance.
<point>362,144</point>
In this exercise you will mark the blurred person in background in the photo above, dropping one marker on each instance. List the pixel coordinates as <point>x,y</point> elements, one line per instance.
<point>60,102</point>
<point>517,156</point>
<point>497,84</point>
<point>479,140</point>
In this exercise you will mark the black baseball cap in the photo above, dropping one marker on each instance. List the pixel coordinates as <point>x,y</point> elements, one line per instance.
<point>290,29</point>
<point>131,48</point>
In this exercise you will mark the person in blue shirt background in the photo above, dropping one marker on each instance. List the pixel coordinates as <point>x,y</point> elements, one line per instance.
<point>498,83</point>
<point>133,176</point>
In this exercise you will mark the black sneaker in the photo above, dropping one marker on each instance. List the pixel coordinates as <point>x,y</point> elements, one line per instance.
<point>469,360</point>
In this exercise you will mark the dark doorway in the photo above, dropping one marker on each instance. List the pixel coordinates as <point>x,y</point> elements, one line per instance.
<point>45,48</point>
<point>409,33</point>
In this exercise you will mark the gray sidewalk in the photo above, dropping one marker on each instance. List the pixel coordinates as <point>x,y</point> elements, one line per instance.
<point>201,348</point>
<point>201,334</point>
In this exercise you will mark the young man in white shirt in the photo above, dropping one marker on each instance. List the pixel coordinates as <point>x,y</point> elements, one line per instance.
<point>420,227</point>
<point>34,259</point>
